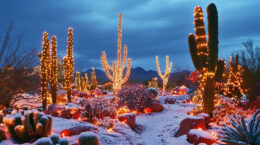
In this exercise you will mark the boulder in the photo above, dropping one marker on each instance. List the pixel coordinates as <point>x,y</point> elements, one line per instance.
<point>128,118</point>
<point>170,101</point>
<point>53,110</point>
<point>156,107</point>
<point>205,116</point>
<point>192,122</point>
<point>76,130</point>
<point>197,136</point>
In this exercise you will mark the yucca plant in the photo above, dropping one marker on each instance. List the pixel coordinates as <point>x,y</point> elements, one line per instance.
<point>239,132</point>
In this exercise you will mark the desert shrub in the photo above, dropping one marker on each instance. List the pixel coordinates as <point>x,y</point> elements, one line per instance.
<point>136,97</point>
<point>241,132</point>
<point>99,107</point>
<point>16,69</point>
<point>249,59</point>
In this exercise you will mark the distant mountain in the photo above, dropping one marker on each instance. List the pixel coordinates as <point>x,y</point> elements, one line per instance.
<point>138,74</point>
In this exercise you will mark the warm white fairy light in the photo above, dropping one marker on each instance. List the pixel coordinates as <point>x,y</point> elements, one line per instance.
<point>118,67</point>
<point>165,76</point>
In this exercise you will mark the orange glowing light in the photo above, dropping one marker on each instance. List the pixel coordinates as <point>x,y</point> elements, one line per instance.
<point>147,110</point>
<point>122,110</point>
<point>62,135</point>
<point>135,112</point>
<point>199,128</point>
<point>109,129</point>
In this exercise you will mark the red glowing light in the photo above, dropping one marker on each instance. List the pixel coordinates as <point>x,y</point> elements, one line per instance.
<point>147,110</point>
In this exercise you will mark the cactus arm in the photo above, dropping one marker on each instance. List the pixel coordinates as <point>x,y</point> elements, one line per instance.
<point>105,62</point>
<point>194,52</point>
<point>128,70</point>
<point>220,70</point>
<point>125,56</point>
<point>212,36</point>
<point>106,68</point>
<point>158,67</point>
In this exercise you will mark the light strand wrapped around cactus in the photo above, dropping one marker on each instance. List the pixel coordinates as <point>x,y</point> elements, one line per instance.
<point>45,66</point>
<point>205,56</point>
<point>30,125</point>
<point>69,65</point>
<point>54,69</point>
<point>93,79</point>
<point>233,87</point>
<point>82,83</point>
<point>117,68</point>
<point>166,75</point>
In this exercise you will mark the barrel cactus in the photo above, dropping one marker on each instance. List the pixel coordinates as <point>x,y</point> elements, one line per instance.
<point>88,138</point>
<point>30,125</point>
<point>205,54</point>
<point>43,141</point>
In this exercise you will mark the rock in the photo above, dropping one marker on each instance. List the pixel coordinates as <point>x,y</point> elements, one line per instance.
<point>205,116</point>
<point>197,136</point>
<point>170,101</point>
<point>156,107</point>
<point>76,130</point>
<point>128,118</point>
<point>191,122</point>
<point>53,110</point>
<point>65,114</point>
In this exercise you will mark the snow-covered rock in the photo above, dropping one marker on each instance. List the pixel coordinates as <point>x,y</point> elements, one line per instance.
<point>128,118</point>
<point>156,107</point>
<point>78,129</point>
<point>191,122</point>
<point>197,136</point>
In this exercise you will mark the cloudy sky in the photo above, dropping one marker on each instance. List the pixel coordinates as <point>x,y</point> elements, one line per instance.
<point>150,27</point>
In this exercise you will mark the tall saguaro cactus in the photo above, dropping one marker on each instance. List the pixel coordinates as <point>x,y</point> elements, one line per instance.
<point>118,67</point>
<point>44,58</point>
<point>205,55</point>
<point>69,65</point>
<point>54,69</point>
<point>166,75</point>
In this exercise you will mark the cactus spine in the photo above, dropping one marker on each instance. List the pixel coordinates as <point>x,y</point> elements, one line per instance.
<point>166,75</point>
<point>117,68</point>
<point>205,56</point>
<point>44,59</point>
<point>69,65</point>
<point>54,65</point>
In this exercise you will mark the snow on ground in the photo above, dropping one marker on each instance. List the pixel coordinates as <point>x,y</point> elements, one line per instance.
<point>159,128</point>
<point>156,128</point>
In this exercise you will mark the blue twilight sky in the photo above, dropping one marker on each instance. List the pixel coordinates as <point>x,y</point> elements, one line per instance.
<point>150,27</point>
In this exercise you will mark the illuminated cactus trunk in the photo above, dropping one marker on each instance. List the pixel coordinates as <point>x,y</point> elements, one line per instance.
<point>78,81</point>
<point>167,72</point>
<point>93,79</point>
<point>117,68</point>
<point>205,56</point>
<point>45,65</point>
<point>69,65</point>
<point>53,70</point>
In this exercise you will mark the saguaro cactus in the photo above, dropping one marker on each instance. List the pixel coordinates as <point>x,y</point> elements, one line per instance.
<point>53,69</point>
<point>205,56</point>
<point>45,62</point>
<point>167,71</point>
<point>117,68</point>
<point>69,65</point>
<point>93,79</point>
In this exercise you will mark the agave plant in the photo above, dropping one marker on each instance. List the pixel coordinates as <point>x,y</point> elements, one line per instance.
<point>239,132</point>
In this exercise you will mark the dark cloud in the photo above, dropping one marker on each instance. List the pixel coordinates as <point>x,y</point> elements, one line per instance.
<point>150,27</point>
